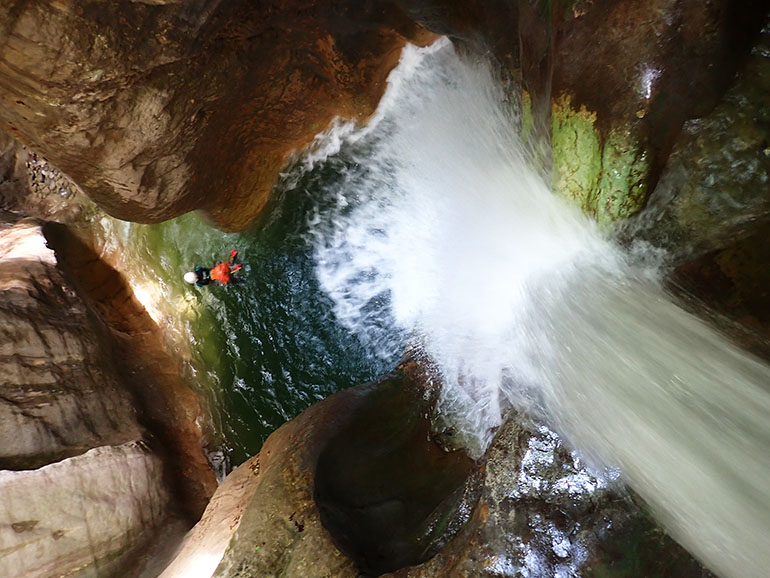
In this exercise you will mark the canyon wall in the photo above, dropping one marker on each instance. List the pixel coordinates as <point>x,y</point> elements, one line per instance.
<point>159,108</point>
<point>82,491</point>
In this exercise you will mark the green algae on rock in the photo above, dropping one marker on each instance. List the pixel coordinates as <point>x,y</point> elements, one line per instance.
<point>605,176</point>
<point>577,160</point>
<point>624,180</point>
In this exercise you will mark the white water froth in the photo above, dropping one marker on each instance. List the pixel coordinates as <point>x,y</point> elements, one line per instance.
<point>519,301</point>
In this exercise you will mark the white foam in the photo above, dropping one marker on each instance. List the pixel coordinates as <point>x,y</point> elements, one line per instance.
<point>440,224</point>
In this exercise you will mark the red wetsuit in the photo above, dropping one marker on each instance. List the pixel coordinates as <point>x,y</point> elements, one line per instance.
<point>221,273</point>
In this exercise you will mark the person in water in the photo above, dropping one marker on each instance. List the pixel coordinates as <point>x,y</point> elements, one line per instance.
<point>220,273</point>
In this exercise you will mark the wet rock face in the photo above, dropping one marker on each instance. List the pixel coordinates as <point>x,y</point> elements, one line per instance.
<point>624,78</point>
<point>542,512</point>
<point>713,192</point>
<point>158,108</point>
<point>671,60</point>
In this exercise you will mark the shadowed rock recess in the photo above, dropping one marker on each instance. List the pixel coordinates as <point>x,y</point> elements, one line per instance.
<point>68,509</point>
<point>101,460</point>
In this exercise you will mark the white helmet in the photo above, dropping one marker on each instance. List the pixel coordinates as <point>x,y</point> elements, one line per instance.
<point>191,277</point>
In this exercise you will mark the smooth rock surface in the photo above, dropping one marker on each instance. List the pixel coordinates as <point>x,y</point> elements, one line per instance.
<point>203,547</point>
<point>58,396</point>
<point>88,479</point>
<point>283,499</point>
<point>81,516</point>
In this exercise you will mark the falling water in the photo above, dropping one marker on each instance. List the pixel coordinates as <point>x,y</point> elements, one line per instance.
<point>439,226</point>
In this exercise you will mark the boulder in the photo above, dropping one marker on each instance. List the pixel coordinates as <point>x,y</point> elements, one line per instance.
<point>359,485</point>
<point>712,193</point>
<point>355,482</point>
<point>542,512</point>
<point>201,551</point>
<point>624,77</point>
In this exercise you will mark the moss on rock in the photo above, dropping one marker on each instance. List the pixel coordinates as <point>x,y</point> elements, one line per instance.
<point>623,184</point>
<point>606,176</point>
<point>577,152</point>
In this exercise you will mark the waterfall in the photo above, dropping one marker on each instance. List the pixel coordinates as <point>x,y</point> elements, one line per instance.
<point>439,226</point>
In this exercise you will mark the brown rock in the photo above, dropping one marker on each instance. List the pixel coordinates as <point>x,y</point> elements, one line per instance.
<point>116,436</point>
<point>30,187</point>
<point>323,479</point>
<point>205,544</point>
<point>165,404</point>
<point>158,108</point>
<point>644,68</point>
<point>713,191</point>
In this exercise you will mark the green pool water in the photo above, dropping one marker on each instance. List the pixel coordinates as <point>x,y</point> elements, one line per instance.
<point>265,349</point>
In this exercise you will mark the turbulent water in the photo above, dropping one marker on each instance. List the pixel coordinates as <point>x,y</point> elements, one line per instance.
<point>429,226</point>
<point>441,226</point>
<point>261,351</point>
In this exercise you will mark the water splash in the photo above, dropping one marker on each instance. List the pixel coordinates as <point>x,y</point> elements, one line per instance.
<point>442,222</point>
<point>440,227</point>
